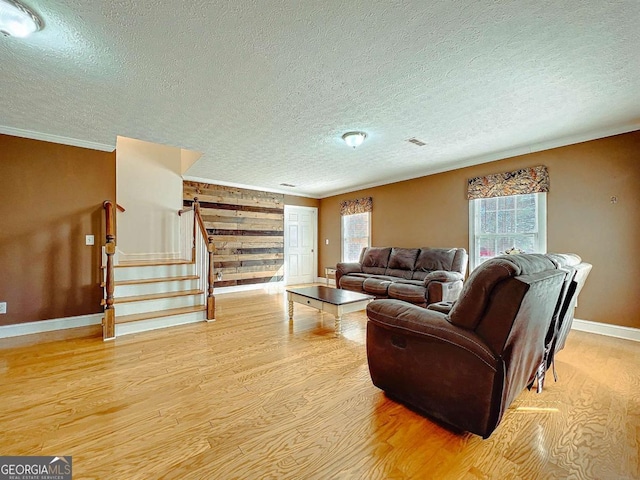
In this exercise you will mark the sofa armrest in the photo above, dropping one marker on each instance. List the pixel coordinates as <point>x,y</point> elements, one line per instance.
<point>344,268</point>
<point>442,286</point>
<point>443,276</point>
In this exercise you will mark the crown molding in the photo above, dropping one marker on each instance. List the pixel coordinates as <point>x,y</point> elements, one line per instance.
<point>212,181</point>
<point>47,137</point>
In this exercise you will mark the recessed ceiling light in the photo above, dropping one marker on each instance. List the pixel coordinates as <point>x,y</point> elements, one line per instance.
<point>17,20</point>
<point>354,139</point>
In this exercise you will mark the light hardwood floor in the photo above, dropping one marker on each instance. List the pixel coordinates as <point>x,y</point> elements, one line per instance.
<point>253,397</point>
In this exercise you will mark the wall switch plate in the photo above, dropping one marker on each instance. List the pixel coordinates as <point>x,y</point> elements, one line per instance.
<point>89,240</point>
<point>326,241</point>
<point>3,307</point>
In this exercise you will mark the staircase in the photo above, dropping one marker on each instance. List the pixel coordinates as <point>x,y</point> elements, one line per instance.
<point>150,295</point>
<point>146,295</point>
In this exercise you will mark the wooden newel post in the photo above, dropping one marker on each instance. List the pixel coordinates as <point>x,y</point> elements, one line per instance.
<point>196,212</point>
<point>109,321</point>
<point>211,299</point>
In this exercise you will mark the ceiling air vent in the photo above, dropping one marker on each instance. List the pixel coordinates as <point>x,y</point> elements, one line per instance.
<point>417,142</point>
<point>287,185</point>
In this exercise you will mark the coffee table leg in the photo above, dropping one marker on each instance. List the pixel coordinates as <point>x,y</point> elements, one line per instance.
<point>290,310</point>
<point>338,324</point>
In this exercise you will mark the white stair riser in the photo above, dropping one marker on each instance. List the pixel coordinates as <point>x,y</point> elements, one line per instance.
<point>155,287</point>
<point>144,306</point>
<point>160,322</point>
<point>154,271</point>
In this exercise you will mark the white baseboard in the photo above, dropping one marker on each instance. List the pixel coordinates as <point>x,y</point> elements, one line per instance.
<point>270,287</point>
<point>42,326</point>
<point>7,331</point>
<point>609,330</point>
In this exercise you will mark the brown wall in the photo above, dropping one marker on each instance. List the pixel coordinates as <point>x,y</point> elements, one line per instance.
<point>433,211</point>
<point>51,197</point>
<point>301,201</point>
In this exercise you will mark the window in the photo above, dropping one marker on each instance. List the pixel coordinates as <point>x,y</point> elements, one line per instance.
<point>355,235</point>
<point>500,223</point>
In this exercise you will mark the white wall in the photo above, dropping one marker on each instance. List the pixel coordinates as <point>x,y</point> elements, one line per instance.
<point>149,187</point>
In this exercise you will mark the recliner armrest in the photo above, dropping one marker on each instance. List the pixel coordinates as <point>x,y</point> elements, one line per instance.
<point>419,321</point>
<point>442,307</point>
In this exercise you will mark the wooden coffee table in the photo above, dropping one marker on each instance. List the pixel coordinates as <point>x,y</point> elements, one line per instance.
<point>326,299</point>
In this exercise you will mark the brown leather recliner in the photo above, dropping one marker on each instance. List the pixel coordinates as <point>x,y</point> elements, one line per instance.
<point>465,368</point>
<point>577,273</point>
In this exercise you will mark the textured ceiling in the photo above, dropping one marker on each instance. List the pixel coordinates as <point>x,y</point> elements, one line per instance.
<point>264,89</point>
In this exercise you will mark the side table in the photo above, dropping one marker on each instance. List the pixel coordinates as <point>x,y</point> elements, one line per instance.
<point>329,272</point>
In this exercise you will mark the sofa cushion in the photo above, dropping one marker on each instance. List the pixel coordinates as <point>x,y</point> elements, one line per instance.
<point>403,258</point>
<point>431,259</point>
<point>375,260</point>
<point>353,282</point>
<point>401,262</point>
<point>408,292</point>
<point>399,274</point>
<point>376,286</point>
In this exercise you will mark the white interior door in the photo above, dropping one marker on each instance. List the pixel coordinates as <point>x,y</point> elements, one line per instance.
<point>300,244</point>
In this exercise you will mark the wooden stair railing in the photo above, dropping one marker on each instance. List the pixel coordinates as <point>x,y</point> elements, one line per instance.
<point>198,225</point>
<point>109,320</point>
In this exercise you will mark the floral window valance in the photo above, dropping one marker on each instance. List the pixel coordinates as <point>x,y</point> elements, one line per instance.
<point>360,205</point>
<point>520,182</point>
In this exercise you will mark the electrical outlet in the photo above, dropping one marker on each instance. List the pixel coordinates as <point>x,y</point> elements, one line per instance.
<point>89,240</point>
<point>3,307</point>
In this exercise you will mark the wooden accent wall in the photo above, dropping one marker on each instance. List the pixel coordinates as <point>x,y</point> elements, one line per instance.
<point>248,232</point>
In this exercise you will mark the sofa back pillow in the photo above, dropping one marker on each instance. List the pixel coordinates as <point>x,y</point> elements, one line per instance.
<point>401,262</point>
<point>432,259</point>
<point>375,260</point>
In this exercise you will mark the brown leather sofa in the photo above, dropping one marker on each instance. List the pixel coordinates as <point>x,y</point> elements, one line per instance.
<point>415,275</point>
<point>465,368</point>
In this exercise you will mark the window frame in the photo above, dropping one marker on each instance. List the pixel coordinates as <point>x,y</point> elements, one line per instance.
<point>541,215</point>
<point>342,234</point>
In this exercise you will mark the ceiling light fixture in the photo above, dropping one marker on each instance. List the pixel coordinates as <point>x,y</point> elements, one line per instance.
<point>354,139</point>
<point>17,20</point>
